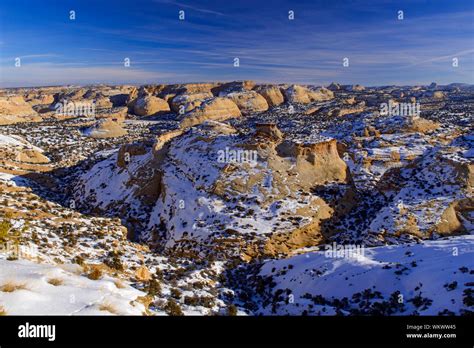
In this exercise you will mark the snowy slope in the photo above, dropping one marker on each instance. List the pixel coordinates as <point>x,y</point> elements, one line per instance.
<point>28,288</point>
<point>426,278</point>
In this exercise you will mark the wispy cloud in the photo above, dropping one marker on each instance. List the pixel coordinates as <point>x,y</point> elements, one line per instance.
<point>310,49</point>
<point>191,7</point>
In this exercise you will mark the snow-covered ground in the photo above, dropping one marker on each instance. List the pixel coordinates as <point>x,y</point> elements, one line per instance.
<point>28,288</point>
<point>426,278</point>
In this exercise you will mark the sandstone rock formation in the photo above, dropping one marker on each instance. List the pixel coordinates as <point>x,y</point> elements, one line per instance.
<point>114,114</point>
<point>14,109</point>
<point>235,86</point>
<point>249,102</point>
<point>127,151</point>
<point>105,129</point>
<point>39,98</point>
<point>355,88</point>
<point>304,95</point>
<point>268,130</point>
<point>272,94</point>
<point>212,109</point>
<point>149,106</point>
<point>17,156</point>
<point>275,173</point>
<point>187,102</point>
<point>346,110</point>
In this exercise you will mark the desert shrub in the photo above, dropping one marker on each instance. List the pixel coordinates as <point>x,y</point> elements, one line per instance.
<point>78,259</point>
<point>232,310</point>
<point>12,286</point>
<point>191,300</point>
<point>173,309</point>
<point>113,261</point>
<point>159,274</point>
<point>468,297</point>
<point>175,293</point>
<point>5,227</point>
<point>95,274</point>
<point>108,307</point>
<point>154,288</point>
<point>55,281</point>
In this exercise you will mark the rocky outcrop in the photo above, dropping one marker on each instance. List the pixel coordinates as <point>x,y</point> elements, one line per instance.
<point>347,110</point>
<point>316,163</point>
<point>149,106</point>
<point>39,98</point>
<point>17,156</point>
<point>187,88</point>
<point>354,88</point>
<point>268,130</point>
<point>217,109</point>
<point>272,175</point>
<point>272,94</point>
<point>105,129</point>
<point>249,102</point>
<point>14,109</point>
<point>183,103</point>
<point>422,125</point>
<point>126,152</point>
<point>236,86</point>
<point>304,95</point>
<point>114,114</point>
<point>435,94</point>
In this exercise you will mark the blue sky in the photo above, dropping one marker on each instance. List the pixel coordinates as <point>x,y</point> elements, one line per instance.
<point>310,49</point>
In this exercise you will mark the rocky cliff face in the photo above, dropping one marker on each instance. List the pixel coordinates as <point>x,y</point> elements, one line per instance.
<point>193,186</point>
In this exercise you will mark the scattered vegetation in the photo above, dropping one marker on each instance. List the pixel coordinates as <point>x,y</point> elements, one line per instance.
<point>172,308</point>
<point>12,286</point>
<point>95,274</point>
<point>55,281</point>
